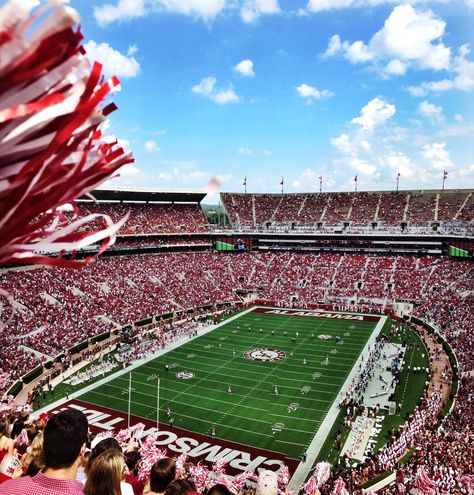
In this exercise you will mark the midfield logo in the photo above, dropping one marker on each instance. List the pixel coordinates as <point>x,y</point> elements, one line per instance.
<point>264,354</point>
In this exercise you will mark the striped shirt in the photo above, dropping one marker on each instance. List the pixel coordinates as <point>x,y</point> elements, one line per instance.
<point>41,485</point>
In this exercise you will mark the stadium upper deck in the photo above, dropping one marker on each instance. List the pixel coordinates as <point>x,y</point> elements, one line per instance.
<point>413,208</point>
<point>179,212</point>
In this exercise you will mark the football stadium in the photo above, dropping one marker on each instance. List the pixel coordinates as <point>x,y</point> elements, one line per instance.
<point>314,342</point>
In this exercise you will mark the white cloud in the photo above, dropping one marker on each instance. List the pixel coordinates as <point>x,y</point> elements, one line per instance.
<point>223,97</point>
<point>342,143</point>
<point>131,9</point>
<point>320,5</point>
<point>458,117</point>
<point>463,77</point>
<point>437,156</point>
<point>207,88</point>
<point>132,49</point>
<point>197,175</point>
<point>413,36</point>
<point>357,52</point>
<point>308,180</point>
<point>245,151</point>
<point>375,113</point>
<point>124,9</point>
<point>152,146</point>
<point>334,46</point>
<point>396,68</point>
<point>409,38</point>
<point>113,62</point>
<point>165,176</point>
<point>245,68</point>
<point>432,112</point>
<point>252,10</point>
<point>466,172</point>
<point>400,163</point>
<point>267,152</point>
<point>128,170</point>
<point>309,93</point>
<point>363,167</point>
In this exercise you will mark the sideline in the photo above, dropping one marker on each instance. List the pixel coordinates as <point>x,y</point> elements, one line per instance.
<point>324,429</point>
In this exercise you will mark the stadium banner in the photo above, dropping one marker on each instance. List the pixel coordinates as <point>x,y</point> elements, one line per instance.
<point>198,447</point>
<point>305,313</point>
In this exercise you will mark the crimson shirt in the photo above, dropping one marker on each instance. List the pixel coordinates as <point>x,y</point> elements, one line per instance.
<point>41,485</point>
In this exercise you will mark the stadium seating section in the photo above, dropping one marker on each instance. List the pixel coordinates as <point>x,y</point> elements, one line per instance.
<point>151,218</point>
<point>415,208</point>
<point>53,309</point>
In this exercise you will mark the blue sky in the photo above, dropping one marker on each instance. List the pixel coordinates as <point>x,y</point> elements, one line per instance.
<point>298,89</point>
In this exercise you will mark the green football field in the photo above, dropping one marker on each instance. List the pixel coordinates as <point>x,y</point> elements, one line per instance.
<point>253,414</point>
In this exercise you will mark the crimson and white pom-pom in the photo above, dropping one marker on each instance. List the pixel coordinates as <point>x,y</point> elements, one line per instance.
<point>51,148</point>
<point>148,443</point>
<point>149,458</point>
<point>5,378</point>
<point>180,462</point>
<point>402,489</point>
<point>422,481</point>
<point>467,481</point>
<point>22,439</point>
<point>310,487</point>
<point>123,436</point>
<point>321,473</point>
<point>137,429</point>
<point>200,475</point>
<point>339,487</point>
<point>218,468</point>
<point>283,478</point>
<point>8,407</point>
<point>150,454</point>
<point>240,480</point>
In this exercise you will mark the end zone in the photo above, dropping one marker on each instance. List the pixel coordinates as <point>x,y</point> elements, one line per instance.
<point>198,447</point>
<point>316,313</point>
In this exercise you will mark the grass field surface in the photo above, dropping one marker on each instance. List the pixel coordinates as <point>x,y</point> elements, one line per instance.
<point>253,414</point>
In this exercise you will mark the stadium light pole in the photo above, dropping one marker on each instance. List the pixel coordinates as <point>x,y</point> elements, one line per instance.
<point>445,176</point>
<point>398,179</point>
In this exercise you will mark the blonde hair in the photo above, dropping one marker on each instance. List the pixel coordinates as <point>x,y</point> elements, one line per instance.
<point>34,450</point>
<point>105,474</point>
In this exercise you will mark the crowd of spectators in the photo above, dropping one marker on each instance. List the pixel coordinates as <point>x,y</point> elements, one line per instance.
<point>150,218</point>
<point>50,310</point>
<point>116,291</point>
<point>123,242</point>
<point>452,210</point>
